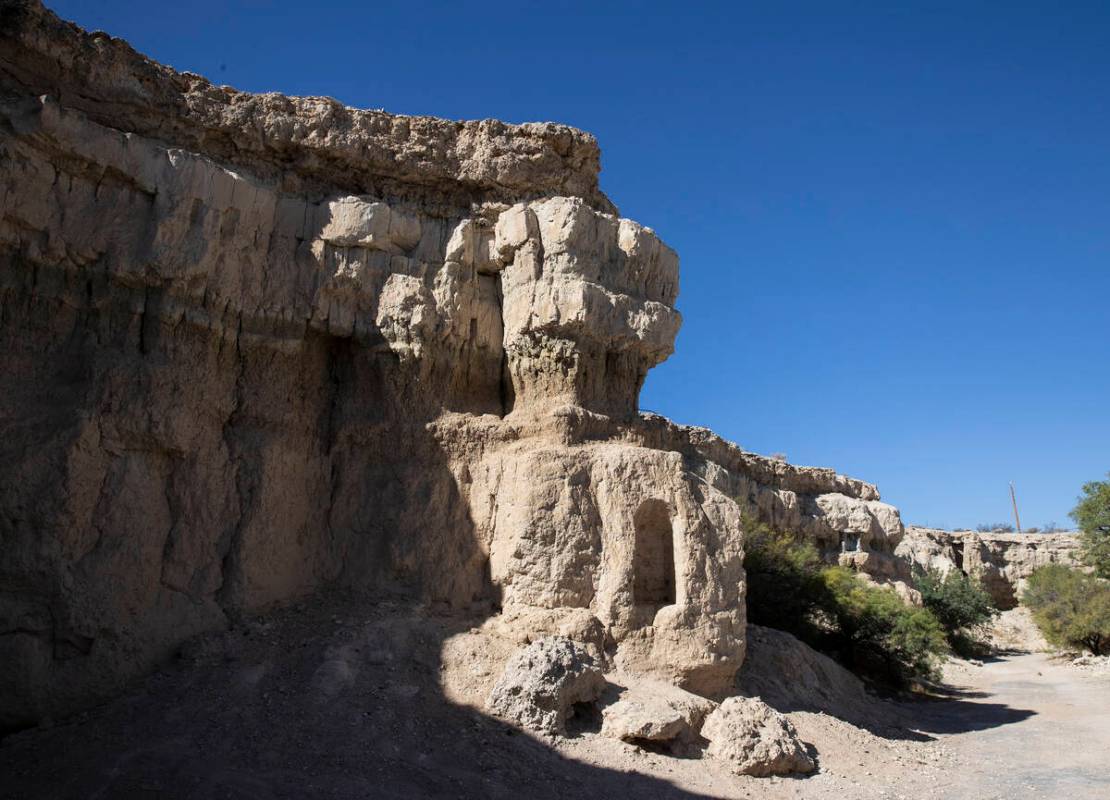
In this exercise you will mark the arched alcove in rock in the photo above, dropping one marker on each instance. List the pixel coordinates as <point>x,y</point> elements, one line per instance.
<point>653,575</point>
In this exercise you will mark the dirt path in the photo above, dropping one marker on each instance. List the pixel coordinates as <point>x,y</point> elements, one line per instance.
<point>1052,737</point>
<point>1017,726</point>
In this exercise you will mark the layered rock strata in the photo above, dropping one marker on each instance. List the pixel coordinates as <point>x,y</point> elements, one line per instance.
<point>252,346</point>
<point>1002,561</point>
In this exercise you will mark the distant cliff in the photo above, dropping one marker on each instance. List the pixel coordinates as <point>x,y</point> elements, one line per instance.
<point>1002,561</point>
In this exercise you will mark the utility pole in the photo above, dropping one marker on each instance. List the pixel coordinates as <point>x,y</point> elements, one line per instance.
<point>1013,499</point>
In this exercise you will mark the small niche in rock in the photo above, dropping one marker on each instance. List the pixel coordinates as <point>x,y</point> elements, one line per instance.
<point>584,718</point>
<point>652,746</point>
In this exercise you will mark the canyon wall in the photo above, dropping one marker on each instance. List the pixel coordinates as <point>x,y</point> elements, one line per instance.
<point>1002,561</point>
<point>254,346</point>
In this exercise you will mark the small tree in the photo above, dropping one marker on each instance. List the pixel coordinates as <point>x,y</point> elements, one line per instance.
<point>958,601</point>
<point>1071,608</point>
<point>1092,515</point>
<point>785,589</point>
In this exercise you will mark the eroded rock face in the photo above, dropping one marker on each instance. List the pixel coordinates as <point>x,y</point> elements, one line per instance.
<point>755,739</point>
<point>253,346</point>
<point>1003,561</point>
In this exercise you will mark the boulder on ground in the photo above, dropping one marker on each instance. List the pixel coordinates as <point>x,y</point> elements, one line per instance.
<point>542,682</point>
<point>657,712</point>
<point>755,739</point>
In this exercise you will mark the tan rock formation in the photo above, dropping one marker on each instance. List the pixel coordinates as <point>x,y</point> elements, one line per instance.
<point>1003,561</point>
<point>542,683</point>
<point>650,711</point>
<point>755,739</point>
<point>253,346</point>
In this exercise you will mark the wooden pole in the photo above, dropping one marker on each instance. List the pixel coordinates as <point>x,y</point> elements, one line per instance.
<point>1013,499</point>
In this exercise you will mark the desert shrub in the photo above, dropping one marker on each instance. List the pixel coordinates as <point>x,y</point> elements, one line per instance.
<point>1050,527</point>
<point>867,628</point>
<point>1070,607</point>
<point>879,634</point>
<point>995,527</point>
<point>785,589</point>
<point>1092,515</point>
<point>958,601</point>
<point>961,606</point>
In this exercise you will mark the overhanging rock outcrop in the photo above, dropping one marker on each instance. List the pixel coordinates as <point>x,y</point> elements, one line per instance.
<point>252,346</point>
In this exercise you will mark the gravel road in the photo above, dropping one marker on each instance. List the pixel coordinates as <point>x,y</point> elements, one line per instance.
<point>1052,737</point>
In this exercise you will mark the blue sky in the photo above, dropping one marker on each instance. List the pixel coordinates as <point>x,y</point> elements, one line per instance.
<point>893,219</point>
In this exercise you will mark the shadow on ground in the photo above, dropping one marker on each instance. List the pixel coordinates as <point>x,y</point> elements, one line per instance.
<point>955,714</point>
<point>332,698</point>
<point>340,697</point>
<point>946,709</point>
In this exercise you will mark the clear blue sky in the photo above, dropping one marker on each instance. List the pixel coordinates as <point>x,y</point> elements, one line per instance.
<point>894,222</point>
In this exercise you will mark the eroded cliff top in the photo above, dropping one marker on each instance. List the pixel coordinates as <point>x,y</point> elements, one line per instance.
<point>1028,538</point>
<point>307,141</point>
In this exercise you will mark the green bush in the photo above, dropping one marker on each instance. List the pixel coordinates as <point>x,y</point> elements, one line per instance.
<point>879,633</point>
<point>1092,514</point>
<point>958,601</point>
<point>869,629</point>
<point>1071,608</point>
<point>785,589</point>
<point>995,527</point>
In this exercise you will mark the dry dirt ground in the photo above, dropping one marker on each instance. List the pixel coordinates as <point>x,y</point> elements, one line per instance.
<point>342,699</point>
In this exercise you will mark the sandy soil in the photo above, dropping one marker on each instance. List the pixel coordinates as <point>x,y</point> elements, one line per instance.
<point>1014,630</point>
<point>1050,735</point>
<point>1021,725</point>
<point>343,699</point>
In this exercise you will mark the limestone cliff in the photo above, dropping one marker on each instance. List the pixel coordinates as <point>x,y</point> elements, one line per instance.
<point>1002,561</point>
<point>252,346</point>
